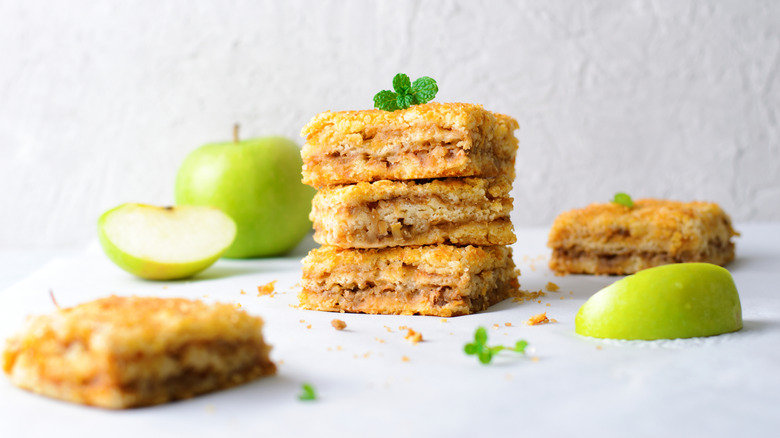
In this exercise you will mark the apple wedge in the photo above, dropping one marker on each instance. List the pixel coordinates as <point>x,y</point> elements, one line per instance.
<point>165,243</point>
<point>667,302</point>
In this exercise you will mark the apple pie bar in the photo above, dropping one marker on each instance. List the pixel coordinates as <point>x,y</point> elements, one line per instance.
<point>433,140</point>
<point>458,211</point>
<point>122,352</point>
<point>439,280</point>
<point>613,239</point>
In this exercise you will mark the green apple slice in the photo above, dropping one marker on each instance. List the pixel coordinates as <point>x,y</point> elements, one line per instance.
<point>165,243</point>
<point>682,300</point>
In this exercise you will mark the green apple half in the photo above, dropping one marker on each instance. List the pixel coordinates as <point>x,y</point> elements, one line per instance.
<point>258,184</point>
<point>682,300</point>
<point>165,243</point>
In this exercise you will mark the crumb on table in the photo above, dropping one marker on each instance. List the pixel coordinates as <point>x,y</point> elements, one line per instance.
<point>538,319</point>
<point>552,287</point>
<point>266,289</point>
<point>413,336</point>
<point>338,324</point>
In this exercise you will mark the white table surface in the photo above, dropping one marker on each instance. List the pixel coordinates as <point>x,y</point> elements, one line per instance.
<point>567,385</point>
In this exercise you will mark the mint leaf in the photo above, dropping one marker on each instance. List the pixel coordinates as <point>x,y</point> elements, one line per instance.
<point>386,100</point>
<point>485,353</point>
<point>424,89</point>
<point>623,199</point>
<point>307,392</point>
<point>480,336</point>
<point>402,84</point>
<point>406,93</point>
<point>404,101</point>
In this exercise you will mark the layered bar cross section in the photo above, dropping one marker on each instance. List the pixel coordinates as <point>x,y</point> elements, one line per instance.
<point>122,352</point>
<point>439,280</point>
<point>608,238</point>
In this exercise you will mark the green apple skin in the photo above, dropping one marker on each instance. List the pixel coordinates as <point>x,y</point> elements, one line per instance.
<point>146,268</point>
<point>682,300</point>
<point>257,182</point>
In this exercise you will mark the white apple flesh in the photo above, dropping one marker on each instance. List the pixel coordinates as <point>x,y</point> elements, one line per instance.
<point>165,243</point>
<point>682,300</point>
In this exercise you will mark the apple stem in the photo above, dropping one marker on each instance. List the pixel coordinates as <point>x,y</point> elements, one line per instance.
<point>235,133</point>
<point>54,300</point>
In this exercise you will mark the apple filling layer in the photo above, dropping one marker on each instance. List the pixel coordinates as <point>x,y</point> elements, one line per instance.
<point>459,211</point>
<point>579,261</point>
<point>438,280</point>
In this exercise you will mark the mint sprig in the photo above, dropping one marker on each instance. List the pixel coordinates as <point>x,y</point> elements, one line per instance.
<point>307,393</point>
<point>406,93</point>
<point>484,352</point>
<point>623,199</point>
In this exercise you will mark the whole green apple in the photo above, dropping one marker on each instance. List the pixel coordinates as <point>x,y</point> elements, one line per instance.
<point>257,182</point>
<point>164,243</point>
<point>682,300</point>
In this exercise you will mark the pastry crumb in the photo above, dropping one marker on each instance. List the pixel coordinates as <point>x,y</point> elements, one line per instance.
<point>405,359</point>
<point>552,287</point>
<point>523,295</point>
<point>266,289</point>
<point>538,319</point>
<point>338,324</point>
<point>413,336</point>
<point>508,324</point>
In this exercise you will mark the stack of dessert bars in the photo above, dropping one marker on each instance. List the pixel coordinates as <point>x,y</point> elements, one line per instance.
<point>412,210</point>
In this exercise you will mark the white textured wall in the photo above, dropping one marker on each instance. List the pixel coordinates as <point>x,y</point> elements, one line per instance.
<point>101,101</point>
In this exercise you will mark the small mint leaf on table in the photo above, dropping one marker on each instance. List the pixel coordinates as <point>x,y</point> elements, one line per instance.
<point>623,199</point>
<point>520,346</point>
<point>307,392</point>
<point>480,336</point>
<point>485,353</point>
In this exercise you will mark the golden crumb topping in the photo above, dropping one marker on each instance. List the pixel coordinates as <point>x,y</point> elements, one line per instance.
<point>125,326</point>
<point>651,225</point>
<point>453,116</point>
<point>439,259</point>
